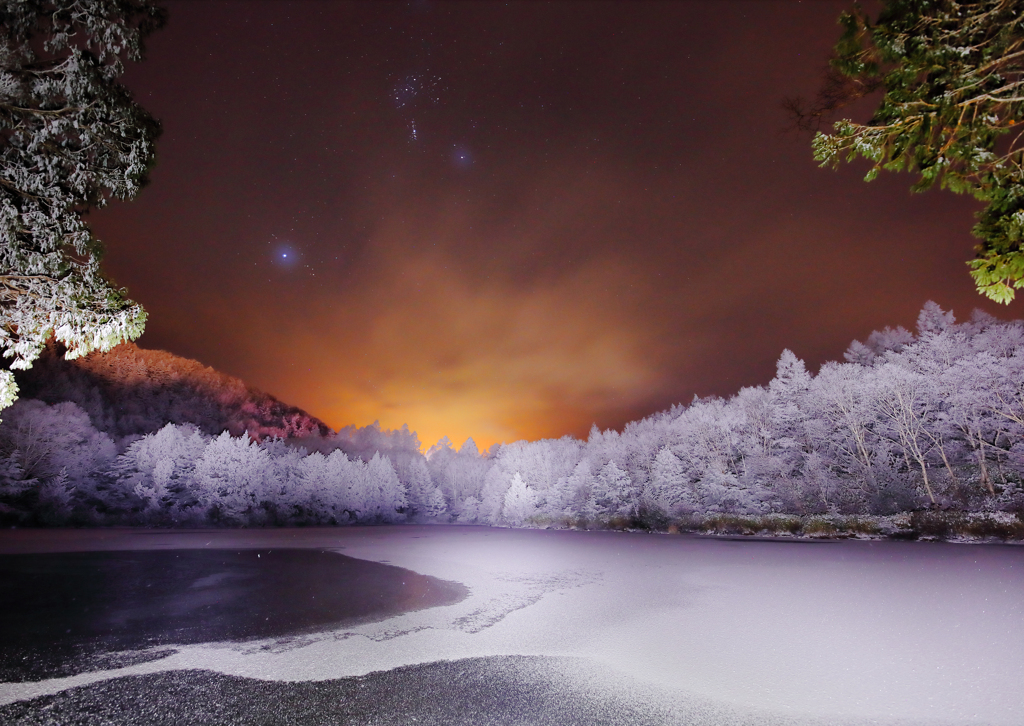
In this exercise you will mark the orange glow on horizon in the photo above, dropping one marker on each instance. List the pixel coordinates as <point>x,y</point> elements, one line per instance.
<point>487,417</point>
<point>436,349</point>
<point>613,249</point>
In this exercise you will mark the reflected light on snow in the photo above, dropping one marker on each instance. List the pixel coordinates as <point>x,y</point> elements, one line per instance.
<point>848,632</point>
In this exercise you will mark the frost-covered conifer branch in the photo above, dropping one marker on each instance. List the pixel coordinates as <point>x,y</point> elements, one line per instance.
<point>951,73</point>
<point>71,138</point>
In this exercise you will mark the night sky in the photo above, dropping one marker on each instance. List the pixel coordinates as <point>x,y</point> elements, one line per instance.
<point>506,220</point>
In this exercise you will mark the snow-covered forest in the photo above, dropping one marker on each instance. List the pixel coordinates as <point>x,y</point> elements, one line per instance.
<point>909,421</point>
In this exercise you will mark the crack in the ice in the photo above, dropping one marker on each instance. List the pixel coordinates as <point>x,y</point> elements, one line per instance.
<point>487,614</point>
<point>497,609</point>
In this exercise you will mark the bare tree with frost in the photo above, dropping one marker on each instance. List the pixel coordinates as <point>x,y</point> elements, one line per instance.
<point>904,404</point>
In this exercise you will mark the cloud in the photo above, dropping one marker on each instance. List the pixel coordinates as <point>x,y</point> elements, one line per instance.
<point>497,340</point>
<point>453,355</point>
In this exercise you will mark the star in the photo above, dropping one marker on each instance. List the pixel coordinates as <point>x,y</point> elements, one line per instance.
<point>461,157</point>
<point>285,255</point>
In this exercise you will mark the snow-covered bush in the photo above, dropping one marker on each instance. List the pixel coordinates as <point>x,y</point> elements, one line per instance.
<point>54,462</point>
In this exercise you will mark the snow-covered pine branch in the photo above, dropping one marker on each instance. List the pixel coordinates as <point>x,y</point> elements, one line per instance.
<point>71,138</point>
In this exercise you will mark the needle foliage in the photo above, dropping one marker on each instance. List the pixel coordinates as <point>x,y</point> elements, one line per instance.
<point>951,75</point>
<point>71,139</point>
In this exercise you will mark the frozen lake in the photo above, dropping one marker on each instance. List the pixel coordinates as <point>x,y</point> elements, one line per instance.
<point>528,626</point>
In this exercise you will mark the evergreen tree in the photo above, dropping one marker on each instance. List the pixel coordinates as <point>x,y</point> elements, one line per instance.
<point>71,139</point>
<point>520,501</point>
<point>670,488</point>
<point>387,495</point>
<point>231,478</point>
<point>420,488</point>
<point>159,468</point>
<point>613,493</point>
<point>951,72</point>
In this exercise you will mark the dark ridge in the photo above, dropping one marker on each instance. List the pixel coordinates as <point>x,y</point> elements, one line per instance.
<point>133,391</point>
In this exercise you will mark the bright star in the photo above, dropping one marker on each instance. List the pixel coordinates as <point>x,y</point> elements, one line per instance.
<point>461,157</point>
<point>286,255</point>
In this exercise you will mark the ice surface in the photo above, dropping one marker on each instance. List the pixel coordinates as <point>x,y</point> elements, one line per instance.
<point>864,631</point>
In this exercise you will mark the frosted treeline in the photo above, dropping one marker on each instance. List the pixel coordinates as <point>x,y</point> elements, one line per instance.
<point>908,421</point>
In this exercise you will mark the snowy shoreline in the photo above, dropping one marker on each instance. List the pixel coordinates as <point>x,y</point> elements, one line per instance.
<point>925,526</point>
<point>859,631</point>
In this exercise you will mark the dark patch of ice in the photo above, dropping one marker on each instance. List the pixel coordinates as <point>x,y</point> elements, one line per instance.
<point>67,613</point>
